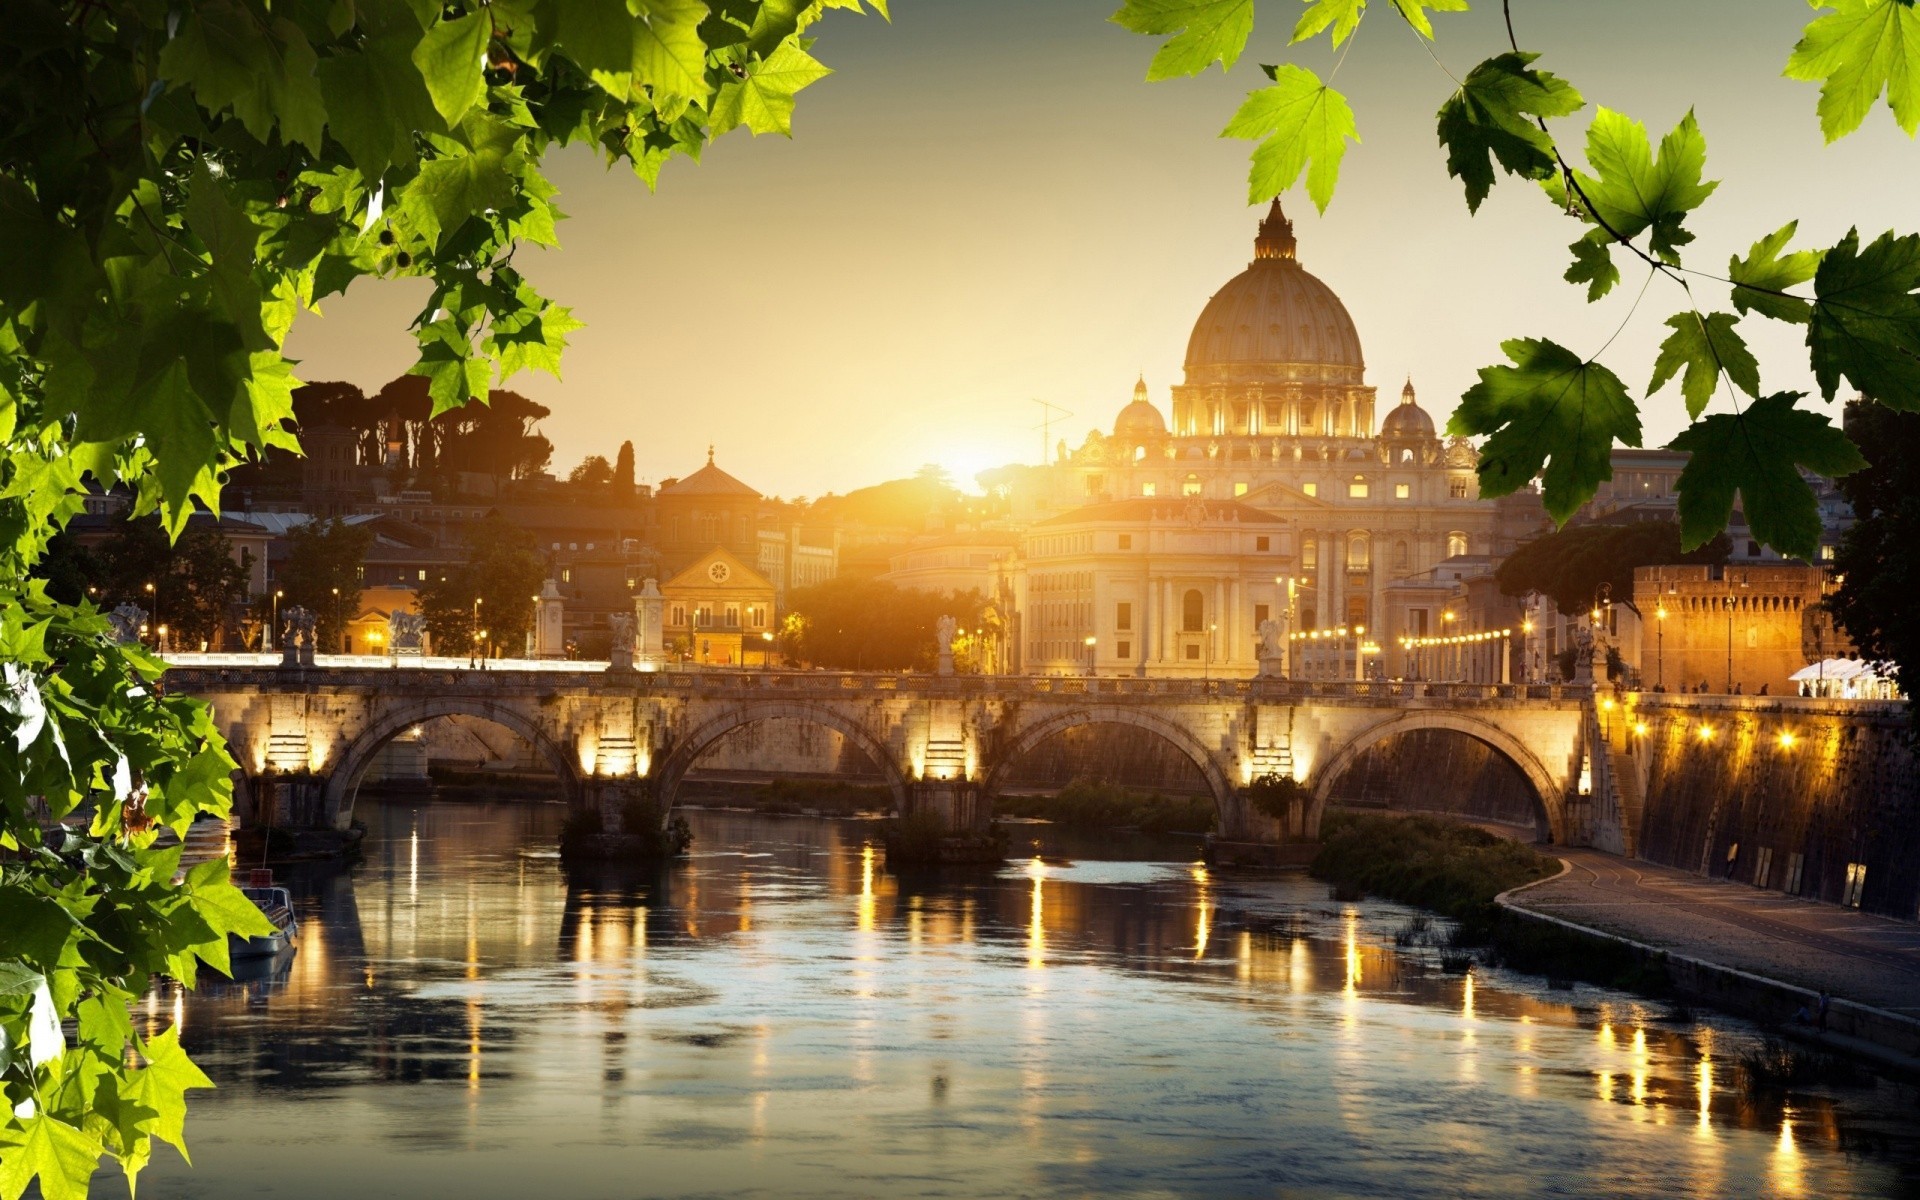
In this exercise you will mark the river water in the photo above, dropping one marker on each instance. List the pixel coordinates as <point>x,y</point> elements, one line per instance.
<point>781,1016</point>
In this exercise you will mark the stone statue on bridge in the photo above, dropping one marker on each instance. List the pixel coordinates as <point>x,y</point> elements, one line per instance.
<point>297,637</point>
<point>1273,659</point>
<point>409,632</point>
<point>620,653</point>
<point>127,621</point>
<point>944,630</point>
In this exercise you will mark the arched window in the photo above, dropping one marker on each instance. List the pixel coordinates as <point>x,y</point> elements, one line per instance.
<point>1309,553</point>
<point>1191,487</point>
<point>1402,560</point>
<point>1456,544</point>
<point>1359,554</point>
<point>1193,611</point>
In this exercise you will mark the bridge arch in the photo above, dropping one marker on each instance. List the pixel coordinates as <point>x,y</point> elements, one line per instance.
<point>350,762</point>
<point>1204,758</point>
<point>1547,790</point>
<point>688,748</point>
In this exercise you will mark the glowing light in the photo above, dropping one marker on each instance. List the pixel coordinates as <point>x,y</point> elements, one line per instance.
<point>1706,733</point>
<point>867,900</point>
<point>1639,729</point>
<point>1787,739</point>
<point>1204,921</point>
<point>1704,1085</point>
<point>1036,921</point>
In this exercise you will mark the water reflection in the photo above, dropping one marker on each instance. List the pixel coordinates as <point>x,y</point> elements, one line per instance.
<point>783,1015</point>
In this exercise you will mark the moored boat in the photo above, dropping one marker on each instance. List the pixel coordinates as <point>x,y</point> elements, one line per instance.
<point>277,904</point>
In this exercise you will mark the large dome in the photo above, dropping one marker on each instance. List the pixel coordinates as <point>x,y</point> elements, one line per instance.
<point>1274,317</point>
<point>1407,419</point>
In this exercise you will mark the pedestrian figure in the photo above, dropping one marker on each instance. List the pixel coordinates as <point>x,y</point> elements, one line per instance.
<point>1763,689</point>
<point>1821,1012</point>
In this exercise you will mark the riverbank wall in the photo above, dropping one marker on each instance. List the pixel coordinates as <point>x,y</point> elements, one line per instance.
<point>1816,798</point>
<point>1890,1040</point>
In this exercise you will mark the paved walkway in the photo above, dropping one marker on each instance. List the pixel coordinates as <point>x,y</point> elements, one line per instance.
<point>1867,959</point>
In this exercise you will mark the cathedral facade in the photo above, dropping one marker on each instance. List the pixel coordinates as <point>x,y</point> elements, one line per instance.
<point>1274,426</point>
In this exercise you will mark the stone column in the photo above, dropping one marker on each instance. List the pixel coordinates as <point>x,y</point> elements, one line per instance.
<point>549,637</point>
<point>649,625</point>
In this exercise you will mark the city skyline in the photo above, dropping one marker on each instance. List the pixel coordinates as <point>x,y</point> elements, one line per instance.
<point>1036,222</point>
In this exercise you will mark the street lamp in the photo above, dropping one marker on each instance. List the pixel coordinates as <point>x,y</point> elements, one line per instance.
<point>273,624</point>
<point>474,633</point>
<point>153,594</point>
<point>1090,643</point>
<point>1660,650</point>
<point>1206,670</point>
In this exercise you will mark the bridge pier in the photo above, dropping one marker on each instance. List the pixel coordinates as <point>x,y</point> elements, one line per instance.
<point>945,821</point>
<point>1248,837</point>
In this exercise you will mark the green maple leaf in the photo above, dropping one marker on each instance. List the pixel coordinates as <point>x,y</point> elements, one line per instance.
<point>449,61</point>
<point>1298,120</point>
<point>1765,271</point>
<point>1204,31</point>
<point>376,99</point>
<point>263,71</point>
<point>1415,12</point>
<point>1757,453</point>
<point>1865,321</point>
<point>763,101</point>
<point>1704,347</point>
<point>1495,115</point>
<point>534,340</point>
<point>472,175</point>
<point>1342,15</point>
<point>1550,408</point>
<point>668,54</point>
<point>598,36</point>
<point>162,1086</point>
<point>1632,191</point>
<point>1858,51</point>
<point>62,1156</point>
<point>1593,264</point>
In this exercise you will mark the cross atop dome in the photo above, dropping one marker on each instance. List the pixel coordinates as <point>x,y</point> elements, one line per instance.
<point>1406,393</point>
<point>1275,239</point>
<point>1140,388</point>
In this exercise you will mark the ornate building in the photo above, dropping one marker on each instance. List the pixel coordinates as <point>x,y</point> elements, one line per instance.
<point>1275,414</point>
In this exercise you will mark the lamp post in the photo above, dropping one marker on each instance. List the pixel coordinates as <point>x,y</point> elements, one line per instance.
<point>473,633</point>
<point>1206,669</point>
<point>1660,650</point>
<point>1359,643</point>
<point>1090,643</point>
<point>337,617</point>
<point>153,594</point>
<point>273,624</point>
<point>766,651</point>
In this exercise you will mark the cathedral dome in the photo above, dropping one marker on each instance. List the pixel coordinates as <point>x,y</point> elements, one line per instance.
<point>1407,419</point>
<point>1139,419</point>
<point>1274,317</point>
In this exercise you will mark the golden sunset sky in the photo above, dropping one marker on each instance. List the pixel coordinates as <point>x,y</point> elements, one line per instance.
<point>986,204</point>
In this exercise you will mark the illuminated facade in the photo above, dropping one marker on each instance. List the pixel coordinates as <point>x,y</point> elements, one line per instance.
<point>1275,416</point>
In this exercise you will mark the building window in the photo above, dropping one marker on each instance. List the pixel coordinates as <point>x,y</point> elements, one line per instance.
<point>1417,622</point>
<point>1359,556</point>
<point>423,574</point>
<point>1457,489</point>
<point>1126,541</point>
<point>1123,650</point>
<point>1310,489</point>
<point>1193,652</point>
<point>1402,491</point>
<point>1260,614</point>
<point>1826,553</point>
<point>733,616</point>
<point>1191,487</point>
<point>1193,612</point>
<point>1239,489</point>
<point>1753,549</point>
<point>679,615</point>
<point>1402,558</point>
<point>1309,553</point>
<point>1456,544</point>
<point>1096,484</point>
<point>1123,617</point>
<point>1263,544</point>
<point>1856,883</point>
<point>1357,488</point>
<point>1146,489</point>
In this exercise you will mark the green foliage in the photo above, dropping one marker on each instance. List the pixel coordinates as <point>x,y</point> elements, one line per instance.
<point>1570,564</point>
<point>503,572</point>
<point>322,575</point>
<point>1204,32</point>
<point>1561,412</point>
<point>177,184</point>
<point>1858,51</point>
<point>855,624</point>
<point>1455,870</point>
<point>1092,806</point>
<point>1755,453</point>
<point>1550,404</point>
<point>1705,348</point>
<point>1298,120</point>
<point>1279,796</point>
<point>1878,600</point>
<point>1866,319</point>
<point>197,581</point>
<point>1497,114</point>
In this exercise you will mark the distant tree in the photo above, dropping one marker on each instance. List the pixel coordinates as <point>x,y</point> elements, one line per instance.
<point>594,473</point>
<point>1570,565</point>
<point>322,575</point>
<point>196,581</point>
<point>623,471</point>
<point>864,624</point>
<point>504,572</point>
<point>1878,600</point>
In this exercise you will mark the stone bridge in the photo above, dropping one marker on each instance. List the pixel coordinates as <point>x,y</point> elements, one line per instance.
<point>305,736</point>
